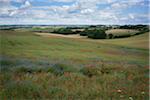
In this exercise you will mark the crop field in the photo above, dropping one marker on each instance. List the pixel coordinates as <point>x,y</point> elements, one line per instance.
<point>118,32</point>
<point>60,68</point>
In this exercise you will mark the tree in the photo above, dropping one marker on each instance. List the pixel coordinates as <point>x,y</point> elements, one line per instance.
<point>96,34</point>
<point>64,31</point>
<point>110,36</point>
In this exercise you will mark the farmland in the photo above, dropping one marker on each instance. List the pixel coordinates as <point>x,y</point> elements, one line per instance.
<point>54,67</point>
<point>122,32</point>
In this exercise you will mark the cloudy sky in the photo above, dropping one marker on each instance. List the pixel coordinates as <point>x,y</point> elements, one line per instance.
<point>74,11</point>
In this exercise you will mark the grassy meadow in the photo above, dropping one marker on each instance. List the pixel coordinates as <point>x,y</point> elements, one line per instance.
<point>59,68</point>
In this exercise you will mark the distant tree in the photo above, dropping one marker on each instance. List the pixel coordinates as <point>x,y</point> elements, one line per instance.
<point>64,31</point>
<point>123,36</point>
<point>77,32</point>
<point>96,34</point>
<point>110,36</point>
<point>84,33</point>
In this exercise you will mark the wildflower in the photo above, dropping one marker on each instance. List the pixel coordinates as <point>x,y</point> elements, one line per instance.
<point>142,92</point>
<point>119,91</point>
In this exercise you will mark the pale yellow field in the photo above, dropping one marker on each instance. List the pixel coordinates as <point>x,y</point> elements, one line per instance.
<point>121,31</point>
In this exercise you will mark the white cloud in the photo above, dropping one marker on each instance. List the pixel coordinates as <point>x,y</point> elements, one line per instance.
<point>80,11</point>
<point>22,9</point>
<point>131,16</point>
<point>62,0</point>
<point>27,4</point>
<point>86,11</point>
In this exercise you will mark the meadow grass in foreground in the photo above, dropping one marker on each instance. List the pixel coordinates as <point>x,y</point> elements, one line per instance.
<point>34,67</point>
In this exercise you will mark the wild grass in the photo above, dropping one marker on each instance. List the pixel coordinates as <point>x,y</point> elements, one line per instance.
<point>35,47</point>
<point>107,82</point>
<point>34,67</point>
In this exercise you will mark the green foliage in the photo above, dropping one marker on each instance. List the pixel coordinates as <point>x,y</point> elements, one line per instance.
<point>97,34</point>
<point>91,71</point>
<point>23,70</point>
<point>95,71</point>
<point>84,33</point>
<point>94,33</point>
<point>60,69</point>
<point>21,90</point>
<point>64,31</point>
<point>110,36</point>
<point>42,30</point>
<point>137,27</point>
<point>6,62</point>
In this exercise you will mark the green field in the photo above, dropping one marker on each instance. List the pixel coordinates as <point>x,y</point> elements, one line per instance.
<point>35,67</point>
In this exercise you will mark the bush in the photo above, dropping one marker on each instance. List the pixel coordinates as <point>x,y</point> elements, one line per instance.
<point>64,31</point>
<point>106,70</point>
<point>97,34</point>
<point>84,33</point>
<point>7,63</point>
<point>28,69</point>
<point>23,70</point>
<point>77,32</point>
<point>60,69</point>
<point>110,36</point>
<point>90,71</point>
<point>21,90</point>
<point>94,33</point>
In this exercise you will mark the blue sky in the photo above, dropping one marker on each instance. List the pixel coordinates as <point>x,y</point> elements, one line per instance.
<point>74,12</point>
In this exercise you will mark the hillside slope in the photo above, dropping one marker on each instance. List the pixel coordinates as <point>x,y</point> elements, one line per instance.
<point>138,41</point>
<point>55,68</point>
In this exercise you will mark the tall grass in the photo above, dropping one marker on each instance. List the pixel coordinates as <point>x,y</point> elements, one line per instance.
<point>61,81</point>
<point>35,67</point>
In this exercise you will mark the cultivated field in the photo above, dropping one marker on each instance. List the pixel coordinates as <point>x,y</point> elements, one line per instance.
<point>120,32</point>
<point>54,67</point>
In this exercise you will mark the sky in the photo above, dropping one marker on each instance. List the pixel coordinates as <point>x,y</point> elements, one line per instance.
<point>74,12</point>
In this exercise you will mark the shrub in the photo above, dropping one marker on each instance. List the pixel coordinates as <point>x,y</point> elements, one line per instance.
<point>7,63</point>
<point>23,70</point>
<point>60,69</point>
<point>55,90</point>
<point>110,36</point>
<point>77,32</point>
<point>4,68</point>
<point>64,31</point>
<point>105,70</point>
<point>84,33</point>
<point>31,69</point>
<point>94,33</point>
<point>90,71</point>
<point>21,90</point>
